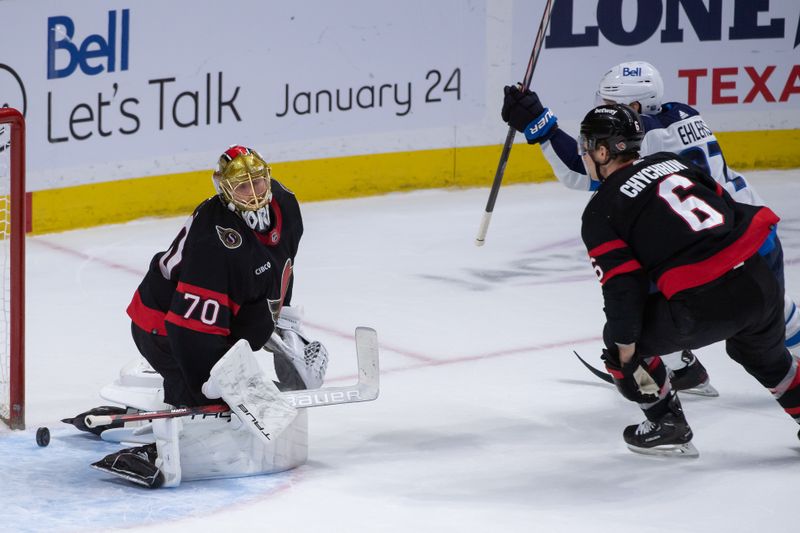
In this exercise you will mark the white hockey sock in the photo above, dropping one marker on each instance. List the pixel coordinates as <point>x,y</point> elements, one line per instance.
<point>792,316</point>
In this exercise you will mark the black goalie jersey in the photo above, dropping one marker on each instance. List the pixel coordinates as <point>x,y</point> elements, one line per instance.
<point>663,221</point>
<point>219,282</point>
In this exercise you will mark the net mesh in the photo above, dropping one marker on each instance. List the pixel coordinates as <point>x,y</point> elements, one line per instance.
<point>5,272</point>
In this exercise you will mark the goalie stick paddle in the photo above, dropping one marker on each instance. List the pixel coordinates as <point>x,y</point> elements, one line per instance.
<point>599,373</point>
<point>366,389</point>
<point>501,164</point>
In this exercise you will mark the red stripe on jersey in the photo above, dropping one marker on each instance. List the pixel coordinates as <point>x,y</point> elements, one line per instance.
<point>148,319</point>
<point>208,294</point>
<point>719,189</point>
<point>793,410</point>
<point>685,277</point>
<point>196,325</point>
<point>606,247</point>
<point>273,237</point>
<point>624,268</point>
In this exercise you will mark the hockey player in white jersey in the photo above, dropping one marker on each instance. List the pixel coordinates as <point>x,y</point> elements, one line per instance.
<point>672,126</point>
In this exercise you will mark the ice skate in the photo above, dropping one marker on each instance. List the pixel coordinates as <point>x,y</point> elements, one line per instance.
<point>136,465</point>
<point>670,436</point>
<point>692,378</point>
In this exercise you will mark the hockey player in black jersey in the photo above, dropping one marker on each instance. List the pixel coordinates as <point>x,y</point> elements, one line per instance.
<point>669,127</point>
<point>227,276</point>
<point>661,219</point>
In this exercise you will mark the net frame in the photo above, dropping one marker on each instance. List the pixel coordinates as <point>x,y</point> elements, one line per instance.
<point>12,402</point>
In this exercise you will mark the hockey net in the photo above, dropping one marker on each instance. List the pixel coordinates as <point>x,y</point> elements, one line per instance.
<point>12,262</point>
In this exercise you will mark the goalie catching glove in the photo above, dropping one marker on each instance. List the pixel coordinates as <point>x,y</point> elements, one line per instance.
<point>299,363</point>
<point>631,378</point>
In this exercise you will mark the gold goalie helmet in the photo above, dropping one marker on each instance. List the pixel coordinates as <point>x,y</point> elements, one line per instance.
<point>243,178</point>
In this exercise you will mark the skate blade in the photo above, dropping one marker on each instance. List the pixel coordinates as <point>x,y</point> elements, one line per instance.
<point>686,450</point>
<point>704,389</point>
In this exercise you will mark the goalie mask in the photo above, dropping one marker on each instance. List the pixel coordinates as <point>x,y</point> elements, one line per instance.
<point>635,81</point>
<point>243,181</point>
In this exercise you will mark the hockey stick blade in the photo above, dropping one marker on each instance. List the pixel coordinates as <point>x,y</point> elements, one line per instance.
<point>705,389</point>
<point>365,390</point>
<point>599,373</point>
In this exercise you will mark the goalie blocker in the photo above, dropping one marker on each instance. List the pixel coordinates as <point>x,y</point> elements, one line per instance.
<point>264,432</point>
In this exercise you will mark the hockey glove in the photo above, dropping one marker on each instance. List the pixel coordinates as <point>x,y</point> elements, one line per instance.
<point>525,113</point>
<point>299,364</point>
<point>631,378</point>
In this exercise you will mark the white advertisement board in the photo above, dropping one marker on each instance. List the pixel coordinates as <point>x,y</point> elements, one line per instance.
<point>737,61</point>
<point>117,89</point>
<point>121,89</point>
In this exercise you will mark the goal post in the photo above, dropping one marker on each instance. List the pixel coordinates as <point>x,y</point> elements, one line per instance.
<point>12,237</point>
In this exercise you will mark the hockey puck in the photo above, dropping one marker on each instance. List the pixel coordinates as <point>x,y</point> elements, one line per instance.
<point>42,437</point>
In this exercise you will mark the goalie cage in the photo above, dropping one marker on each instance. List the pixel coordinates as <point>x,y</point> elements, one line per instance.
<point>12,262</point>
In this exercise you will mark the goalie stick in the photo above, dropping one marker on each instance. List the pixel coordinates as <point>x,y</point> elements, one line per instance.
<point>501,164</point>
<point>366,389</point>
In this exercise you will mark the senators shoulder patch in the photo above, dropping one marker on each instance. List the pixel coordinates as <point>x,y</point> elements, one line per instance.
<point>229,237</point>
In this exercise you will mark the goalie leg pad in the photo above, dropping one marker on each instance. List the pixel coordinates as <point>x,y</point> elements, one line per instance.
<point>224,448</point>
<point>167,433</point>
<point>138,386</point>
<point>239,380</point>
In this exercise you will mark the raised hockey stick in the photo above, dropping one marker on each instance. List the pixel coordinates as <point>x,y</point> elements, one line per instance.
<point>366,389</point>
<point>501,165</point>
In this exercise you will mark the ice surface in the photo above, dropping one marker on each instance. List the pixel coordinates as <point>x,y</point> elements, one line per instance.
<point>486,421</point>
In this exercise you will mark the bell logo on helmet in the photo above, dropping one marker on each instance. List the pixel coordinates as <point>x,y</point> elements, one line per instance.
<point>632,71</point>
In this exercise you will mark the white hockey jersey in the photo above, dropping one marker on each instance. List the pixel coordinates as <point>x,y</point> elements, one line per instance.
<point>678,128</point>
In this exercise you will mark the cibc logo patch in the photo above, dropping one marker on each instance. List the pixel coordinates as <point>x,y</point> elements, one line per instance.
<point>229,237</point>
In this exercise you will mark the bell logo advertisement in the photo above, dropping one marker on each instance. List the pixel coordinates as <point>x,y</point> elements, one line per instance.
<point>95,54</point>
<point>116,89</point>
<point>71,53</point>
<point>161,86</point>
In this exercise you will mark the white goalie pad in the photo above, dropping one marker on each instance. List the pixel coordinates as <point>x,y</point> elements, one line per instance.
<point>138,386</point>
<point>197,448</point>
<point>238,379</point>
<point>223,448</point>
<point>167,434</point>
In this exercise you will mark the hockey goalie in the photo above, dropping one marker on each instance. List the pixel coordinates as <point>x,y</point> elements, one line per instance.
<point>210,313</point>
